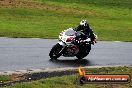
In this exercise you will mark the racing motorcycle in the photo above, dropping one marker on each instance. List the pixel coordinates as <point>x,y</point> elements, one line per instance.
<point>71,44</point>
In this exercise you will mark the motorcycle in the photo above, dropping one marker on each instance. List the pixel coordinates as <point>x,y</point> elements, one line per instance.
<point>71,44</point>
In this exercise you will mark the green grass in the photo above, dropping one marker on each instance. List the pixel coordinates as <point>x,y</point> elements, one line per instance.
<point>4,78</point>
<point>69,81</point>
<point>110,20</point>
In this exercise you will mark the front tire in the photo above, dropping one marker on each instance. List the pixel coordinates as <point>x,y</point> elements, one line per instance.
<point>56,51</point>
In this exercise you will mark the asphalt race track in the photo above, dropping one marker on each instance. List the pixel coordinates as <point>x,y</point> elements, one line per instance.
<point>26,53</point>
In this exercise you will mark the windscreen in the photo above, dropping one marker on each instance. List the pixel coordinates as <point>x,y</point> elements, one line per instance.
<point>70,32</point>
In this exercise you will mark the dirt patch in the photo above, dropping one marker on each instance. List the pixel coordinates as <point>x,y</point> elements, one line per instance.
<point>18,78</point>
<point>42,6</point>
<point>21,4</point>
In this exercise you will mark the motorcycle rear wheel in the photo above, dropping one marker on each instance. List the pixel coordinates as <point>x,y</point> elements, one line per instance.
<point>83,53</point>
<point>55,52</point>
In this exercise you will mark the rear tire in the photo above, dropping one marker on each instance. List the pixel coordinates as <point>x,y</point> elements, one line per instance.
<point>83,52</point>
<point>55,51</point>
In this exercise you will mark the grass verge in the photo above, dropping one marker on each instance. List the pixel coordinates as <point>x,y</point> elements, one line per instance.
<point>111,19</point>
<point>69,81</point>
<point>4,78</point>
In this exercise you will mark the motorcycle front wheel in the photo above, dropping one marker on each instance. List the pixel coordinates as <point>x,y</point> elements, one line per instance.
<point>56,51</point>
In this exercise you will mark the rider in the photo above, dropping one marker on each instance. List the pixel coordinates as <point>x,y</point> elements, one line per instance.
<point>88,32</point>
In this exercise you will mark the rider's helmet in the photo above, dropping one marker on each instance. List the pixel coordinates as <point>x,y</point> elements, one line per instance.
<point>84,23</point>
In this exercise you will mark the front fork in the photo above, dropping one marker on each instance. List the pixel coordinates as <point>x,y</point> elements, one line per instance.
<point>63,45</point>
